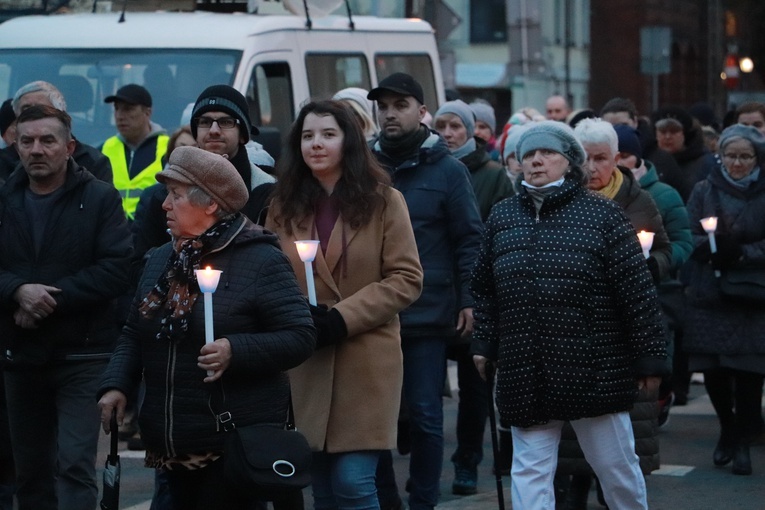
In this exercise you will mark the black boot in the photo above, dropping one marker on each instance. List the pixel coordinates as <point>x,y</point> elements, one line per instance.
<point>723,453</point>
<point>742,462</point>
<point>578,492</point>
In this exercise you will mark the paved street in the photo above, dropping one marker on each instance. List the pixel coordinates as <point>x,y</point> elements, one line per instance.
<point>687,480</point>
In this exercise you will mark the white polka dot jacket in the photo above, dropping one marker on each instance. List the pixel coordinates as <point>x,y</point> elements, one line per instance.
<point>566,306</point>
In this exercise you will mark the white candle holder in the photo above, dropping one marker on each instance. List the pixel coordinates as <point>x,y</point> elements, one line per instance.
<point>307,253</point>
<point>208,280</point>
<point>646,241</point>
<point>710,226</point>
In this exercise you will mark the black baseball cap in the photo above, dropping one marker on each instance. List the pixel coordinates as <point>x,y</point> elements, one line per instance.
<point>131,94</point>
<point>400,83</point>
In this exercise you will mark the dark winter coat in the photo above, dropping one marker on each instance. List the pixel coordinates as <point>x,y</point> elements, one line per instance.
<point>714,324</point>
<point>694,164</point>
<point>447,227</point>
<point>490,181</point>
<point>258,306</point>
<point>644,215</point>
<point>566,305</point>
<point>86,253</point>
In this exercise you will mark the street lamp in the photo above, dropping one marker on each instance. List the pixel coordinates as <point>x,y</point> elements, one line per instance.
<point>746,65</point>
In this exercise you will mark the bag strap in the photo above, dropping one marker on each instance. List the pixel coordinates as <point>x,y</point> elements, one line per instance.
<point>113,456</point>
<point>226,420</point>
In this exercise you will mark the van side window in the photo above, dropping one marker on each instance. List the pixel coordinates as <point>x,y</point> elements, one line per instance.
<point>331,72</point>
<point>417,65</point>
<point>270,98</point>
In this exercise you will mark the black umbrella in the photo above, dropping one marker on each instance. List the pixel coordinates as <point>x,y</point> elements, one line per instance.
<point>111,495</point>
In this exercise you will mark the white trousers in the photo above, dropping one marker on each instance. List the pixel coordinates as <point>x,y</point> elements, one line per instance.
<point>608,446</point>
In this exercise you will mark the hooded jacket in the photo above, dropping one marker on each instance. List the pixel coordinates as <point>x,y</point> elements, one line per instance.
<point>447,227</point>
<point>86,254</point>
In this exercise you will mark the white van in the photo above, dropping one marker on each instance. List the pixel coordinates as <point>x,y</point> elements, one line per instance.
<point>276,61</point>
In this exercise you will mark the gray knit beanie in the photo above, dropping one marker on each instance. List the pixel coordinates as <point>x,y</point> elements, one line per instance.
<point>485,113</point>
<point>461,110</point>
<point>552,135</point>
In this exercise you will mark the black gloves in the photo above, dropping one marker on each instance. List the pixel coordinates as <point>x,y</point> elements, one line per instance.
<point>728,252</point>
<point>653,267</point>
<point>330,325</point>
<point>702,253</point>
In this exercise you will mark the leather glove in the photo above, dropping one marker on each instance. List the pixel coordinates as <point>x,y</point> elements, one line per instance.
<point>330,325</point>
<point>728,252</point>
<point>653,267</point>
<point>702,253</point>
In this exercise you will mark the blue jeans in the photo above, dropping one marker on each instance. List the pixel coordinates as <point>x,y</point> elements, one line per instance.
<point>424,376</point>
<point>345,480</point>
<point>55,423</point>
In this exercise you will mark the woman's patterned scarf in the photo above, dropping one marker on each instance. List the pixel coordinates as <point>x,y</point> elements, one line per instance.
<point>177,288</point>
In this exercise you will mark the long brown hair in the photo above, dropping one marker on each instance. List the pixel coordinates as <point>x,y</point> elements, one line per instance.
<point>357,194</point>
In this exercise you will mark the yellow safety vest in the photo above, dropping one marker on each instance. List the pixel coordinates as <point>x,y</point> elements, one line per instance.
<point>130,189</point>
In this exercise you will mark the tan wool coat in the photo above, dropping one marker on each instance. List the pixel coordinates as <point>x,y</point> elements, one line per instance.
<point>346,396</point>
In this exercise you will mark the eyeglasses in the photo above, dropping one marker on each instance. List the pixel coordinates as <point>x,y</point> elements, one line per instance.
<point>223,122</point>
<point>743,158</point>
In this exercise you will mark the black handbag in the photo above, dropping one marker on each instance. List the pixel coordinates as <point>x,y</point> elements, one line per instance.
<point>110,499</point>
<point>745,284</point>
<point>266,460</point>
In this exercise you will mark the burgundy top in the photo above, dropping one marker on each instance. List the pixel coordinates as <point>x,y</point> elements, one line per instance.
<point>327,213</point>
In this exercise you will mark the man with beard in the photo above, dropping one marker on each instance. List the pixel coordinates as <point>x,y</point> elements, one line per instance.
<point>447,227</point>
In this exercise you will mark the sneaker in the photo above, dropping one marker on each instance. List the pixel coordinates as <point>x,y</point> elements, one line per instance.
<point>465,480</point>
<point>664,405</point>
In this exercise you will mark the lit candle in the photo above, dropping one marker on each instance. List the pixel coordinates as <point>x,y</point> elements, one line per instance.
<point>307,252</point>
<point>208,279</point>
<point>646,241</point>
<point>710,225</point>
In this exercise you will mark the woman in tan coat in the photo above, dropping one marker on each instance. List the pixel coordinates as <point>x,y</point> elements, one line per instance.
<point>346,396</point>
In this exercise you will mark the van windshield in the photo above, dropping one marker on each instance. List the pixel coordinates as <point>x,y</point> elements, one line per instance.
<point>85,77</point>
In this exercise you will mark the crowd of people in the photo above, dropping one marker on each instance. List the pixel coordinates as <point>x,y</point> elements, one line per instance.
<point>568,253</point>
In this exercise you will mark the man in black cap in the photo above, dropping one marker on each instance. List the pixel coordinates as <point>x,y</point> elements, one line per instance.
<point>136,152</point>
<point>220,122</point>
<point>39,93</point>
<point>447,227</point>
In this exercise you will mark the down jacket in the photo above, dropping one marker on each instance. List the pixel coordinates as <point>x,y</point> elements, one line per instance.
<point>566,306</point>
<point>643,214</point>
<point>258,306</point>
<point>86,254</point>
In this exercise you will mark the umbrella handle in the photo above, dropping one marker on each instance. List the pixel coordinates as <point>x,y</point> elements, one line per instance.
<point>113,451</point>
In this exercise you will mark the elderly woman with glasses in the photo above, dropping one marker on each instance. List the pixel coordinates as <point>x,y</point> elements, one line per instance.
<point>566,307</point>
<point>725,334</point>
<point>261,321</point>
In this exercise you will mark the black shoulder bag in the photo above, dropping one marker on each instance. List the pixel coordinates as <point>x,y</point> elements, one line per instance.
<point>267,460</point>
